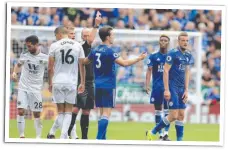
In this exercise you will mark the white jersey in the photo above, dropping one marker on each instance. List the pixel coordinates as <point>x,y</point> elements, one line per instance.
<point>66,53</point>
<point>32,73</point>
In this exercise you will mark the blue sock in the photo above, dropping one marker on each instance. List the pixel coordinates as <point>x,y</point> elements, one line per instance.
<point>179,125</point>
<point>166,112</point>
<point>158,118</point>
<point>104,135</point>
<point>164,122</point>
<point>102,127</point>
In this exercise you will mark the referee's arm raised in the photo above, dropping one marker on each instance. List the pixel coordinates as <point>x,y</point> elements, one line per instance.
<point>93,33</point>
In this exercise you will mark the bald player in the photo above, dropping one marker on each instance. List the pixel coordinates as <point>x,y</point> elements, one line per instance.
<point>85,101</point>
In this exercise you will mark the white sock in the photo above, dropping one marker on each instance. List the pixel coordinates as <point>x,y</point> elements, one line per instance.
<point>161,134</point>
<point>66,125</point>
<point>57,124</point>
<point>38,127</point>
<point>166,133</point>
<point>73,133</point>
<point>21,125</point>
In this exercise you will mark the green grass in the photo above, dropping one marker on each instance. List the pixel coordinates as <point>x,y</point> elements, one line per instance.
<point>126,131</point>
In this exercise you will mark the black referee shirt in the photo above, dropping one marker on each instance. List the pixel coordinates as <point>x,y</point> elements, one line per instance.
<point>89,68</point>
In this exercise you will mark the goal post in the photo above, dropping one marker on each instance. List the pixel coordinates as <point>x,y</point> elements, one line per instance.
<point>147,37</point>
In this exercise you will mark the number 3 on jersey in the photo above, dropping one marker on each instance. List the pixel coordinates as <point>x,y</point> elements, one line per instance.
<point>98,60</point>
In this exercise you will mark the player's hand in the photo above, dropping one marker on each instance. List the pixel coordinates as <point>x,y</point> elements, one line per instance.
<point>142,55</point>
<point>98,19</point>
<point>148,90</point>
<point>167,95</point>
<point>14,76</point>
<point>50,88</point>
<point>185,96</point>
<point>81,88</point>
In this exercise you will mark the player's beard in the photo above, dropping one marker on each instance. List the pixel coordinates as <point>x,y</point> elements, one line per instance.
<point>183,48</point>
<point>163,46</point>
<point>111,42</point>
<point>163,49</point>
<point>34,51</point>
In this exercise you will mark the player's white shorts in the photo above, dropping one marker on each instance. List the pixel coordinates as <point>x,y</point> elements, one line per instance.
<point>30,100</point>
<point>64,93</point>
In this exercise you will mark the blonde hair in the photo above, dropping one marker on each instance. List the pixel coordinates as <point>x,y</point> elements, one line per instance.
<point>182,34</point>
<point>70,28</point>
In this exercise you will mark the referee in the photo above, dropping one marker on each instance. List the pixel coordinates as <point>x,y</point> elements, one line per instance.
<point>85,101</point>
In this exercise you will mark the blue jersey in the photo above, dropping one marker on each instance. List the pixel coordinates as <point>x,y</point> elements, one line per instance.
<point>179,60</point>
<point>157,61</point>
<point>103,58</point>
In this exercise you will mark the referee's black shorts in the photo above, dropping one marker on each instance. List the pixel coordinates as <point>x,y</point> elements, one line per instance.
<point>86,99</point>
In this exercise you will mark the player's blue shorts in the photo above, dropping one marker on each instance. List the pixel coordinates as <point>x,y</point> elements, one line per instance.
<point>157,97</point>
<point>105,97</point>
<point>176,101</point>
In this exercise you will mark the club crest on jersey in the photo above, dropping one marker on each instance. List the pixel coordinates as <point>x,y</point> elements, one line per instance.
<point>170,103</point>
<point>41,61</point>
<point>168,58</point>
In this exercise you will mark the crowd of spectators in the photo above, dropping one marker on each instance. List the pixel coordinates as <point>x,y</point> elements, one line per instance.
<point>208,22</point>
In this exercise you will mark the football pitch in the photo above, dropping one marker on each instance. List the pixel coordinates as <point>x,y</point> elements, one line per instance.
<point>125,131</point>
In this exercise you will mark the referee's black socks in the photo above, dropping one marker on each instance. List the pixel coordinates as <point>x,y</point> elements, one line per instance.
<point>84,122</point>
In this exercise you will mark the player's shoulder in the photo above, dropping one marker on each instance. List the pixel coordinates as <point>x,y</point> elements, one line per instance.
<point>43,55</point>
<point>110,49</point>
<point>75,42</point>
<point>188,52</point>
<point>43,58</point>
<point>96,48</point>
<point>25,53</point>
<point>81,42</point>
<point>54,45</point>
<point>153,54</point>
<point>173,50</point>
<point>115,53</point>
<point>103,48</point>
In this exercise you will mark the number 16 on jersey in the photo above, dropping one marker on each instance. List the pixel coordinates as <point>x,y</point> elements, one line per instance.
<point>69,59</point>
